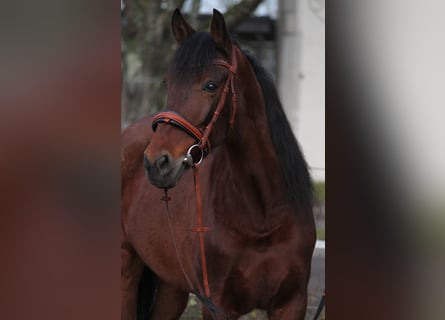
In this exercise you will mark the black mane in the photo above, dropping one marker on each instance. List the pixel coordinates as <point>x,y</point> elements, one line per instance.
<point>293,164</point>
<point>196,54</point>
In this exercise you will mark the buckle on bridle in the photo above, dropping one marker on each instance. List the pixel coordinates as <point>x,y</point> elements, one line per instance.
<point>189,157</point>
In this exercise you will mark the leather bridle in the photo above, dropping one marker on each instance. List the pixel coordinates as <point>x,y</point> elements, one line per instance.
<point>202,136</point>
<point>203,144</point>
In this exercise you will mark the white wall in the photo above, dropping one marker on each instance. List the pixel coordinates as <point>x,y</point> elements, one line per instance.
<point>301,77</point>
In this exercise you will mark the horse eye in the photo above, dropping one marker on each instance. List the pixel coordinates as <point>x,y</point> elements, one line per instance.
<point>210,86</point>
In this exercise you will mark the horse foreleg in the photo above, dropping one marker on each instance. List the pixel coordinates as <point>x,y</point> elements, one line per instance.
<point>295,309</point>
<point>131,272</point>
<point>170,302</point>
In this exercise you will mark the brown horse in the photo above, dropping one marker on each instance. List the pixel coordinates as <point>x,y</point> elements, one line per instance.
<point>256,194</point>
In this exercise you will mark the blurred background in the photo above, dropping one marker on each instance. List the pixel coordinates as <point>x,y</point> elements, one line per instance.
<point>288,38</point>
<point>61,115</point>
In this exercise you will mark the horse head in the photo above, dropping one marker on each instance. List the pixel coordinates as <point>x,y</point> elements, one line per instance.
<point>199,113</point>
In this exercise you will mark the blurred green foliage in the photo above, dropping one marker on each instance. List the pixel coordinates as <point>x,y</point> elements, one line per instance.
<point>319,191</point>
<point>321,234</point>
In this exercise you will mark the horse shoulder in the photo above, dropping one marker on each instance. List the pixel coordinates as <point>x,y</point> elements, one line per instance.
<point>134,140</point>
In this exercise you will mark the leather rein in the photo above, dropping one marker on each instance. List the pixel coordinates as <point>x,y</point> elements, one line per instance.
<point>202,144</point>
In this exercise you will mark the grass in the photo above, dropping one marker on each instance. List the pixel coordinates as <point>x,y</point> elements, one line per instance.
<point>319,201</point>
<point>193,312</point>
<point>321,234</point>
<point>319,191</point>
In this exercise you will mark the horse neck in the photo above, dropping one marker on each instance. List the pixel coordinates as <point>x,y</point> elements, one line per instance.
<point>250,160</point>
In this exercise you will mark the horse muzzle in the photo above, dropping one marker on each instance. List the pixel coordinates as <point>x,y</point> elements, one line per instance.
<point>164,172</point>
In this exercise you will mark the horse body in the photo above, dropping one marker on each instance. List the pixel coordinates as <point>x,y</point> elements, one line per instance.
<point>260,241</point>
<point>252,248</point>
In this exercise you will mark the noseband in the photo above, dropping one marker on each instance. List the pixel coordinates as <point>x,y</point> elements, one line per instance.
<point>202,136</point>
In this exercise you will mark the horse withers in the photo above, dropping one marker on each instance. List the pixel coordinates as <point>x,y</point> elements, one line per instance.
<point>256,231</point>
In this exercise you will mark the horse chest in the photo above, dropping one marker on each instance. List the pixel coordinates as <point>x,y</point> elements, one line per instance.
<point>162,237</point>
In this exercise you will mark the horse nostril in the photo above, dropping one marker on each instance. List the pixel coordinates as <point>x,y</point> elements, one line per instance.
<point>163,165</point>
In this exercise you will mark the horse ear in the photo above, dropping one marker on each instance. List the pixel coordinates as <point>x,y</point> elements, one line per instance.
<point>181,29</point>
<point>219,34</point>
